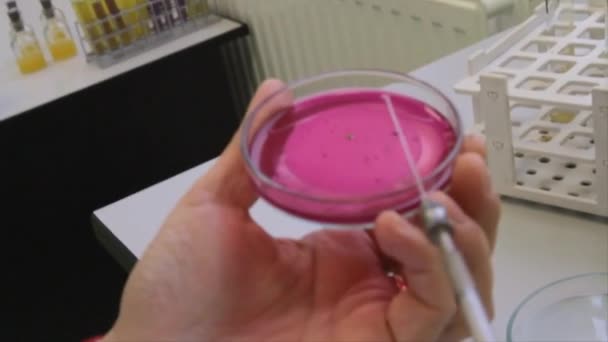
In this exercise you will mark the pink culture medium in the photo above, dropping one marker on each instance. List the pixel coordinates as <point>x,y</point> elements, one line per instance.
<point>335,157</point>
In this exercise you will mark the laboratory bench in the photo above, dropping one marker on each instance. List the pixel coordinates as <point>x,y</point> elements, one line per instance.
<point>536,244</point>
<point>75,137</point>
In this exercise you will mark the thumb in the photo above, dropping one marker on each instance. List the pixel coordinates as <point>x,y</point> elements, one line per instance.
<point>228,180</point>
<point>424,309</point>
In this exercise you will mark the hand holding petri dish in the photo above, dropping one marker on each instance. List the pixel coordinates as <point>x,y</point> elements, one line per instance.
<point>325,148</point>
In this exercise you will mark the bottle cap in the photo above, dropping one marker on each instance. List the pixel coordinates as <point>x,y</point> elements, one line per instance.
<point>11,4</point>
<point>47,8</point>
<point>15,17</point>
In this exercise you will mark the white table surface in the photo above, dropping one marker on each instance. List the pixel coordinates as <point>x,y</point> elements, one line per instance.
<point>19,93</point>
<point>536,244</point>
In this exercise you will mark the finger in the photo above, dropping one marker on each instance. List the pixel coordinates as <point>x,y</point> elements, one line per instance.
<point>267,101</point>
<point>228,180</point>
<point>423,310</point>
<point>474,143</point>
<point>472,243</point>
<point>472,189</point>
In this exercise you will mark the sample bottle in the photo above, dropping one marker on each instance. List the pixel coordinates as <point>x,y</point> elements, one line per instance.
<point>92,31</point>
<point>56,32</point>
<point>24,44</point>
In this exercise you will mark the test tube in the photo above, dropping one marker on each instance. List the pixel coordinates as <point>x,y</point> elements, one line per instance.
<point>169,12</point>
<point>86,17</point>
<point>159,17</point>
<point>135,16</point>
<point>183,11</point>
<point>142,16</point>
<point>56,32</point>
<point>106,26</point>
<point>118,21</point>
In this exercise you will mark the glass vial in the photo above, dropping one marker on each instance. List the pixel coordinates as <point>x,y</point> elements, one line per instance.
<point>24,44</point>
<point>57,33</point>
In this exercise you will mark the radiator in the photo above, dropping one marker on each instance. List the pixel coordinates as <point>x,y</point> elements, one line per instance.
<point>291,39</point>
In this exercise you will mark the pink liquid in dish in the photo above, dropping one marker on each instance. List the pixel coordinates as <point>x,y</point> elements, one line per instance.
<point>330,150</point>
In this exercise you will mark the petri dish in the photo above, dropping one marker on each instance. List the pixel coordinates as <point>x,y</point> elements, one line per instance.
<point>570,309</point>
<point>325,148</point>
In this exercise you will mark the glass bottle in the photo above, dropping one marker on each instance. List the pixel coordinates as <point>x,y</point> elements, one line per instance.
<point>57,33</point>
<point>24,44</point>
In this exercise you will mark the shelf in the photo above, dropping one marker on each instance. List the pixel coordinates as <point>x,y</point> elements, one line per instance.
<point>20,93</point>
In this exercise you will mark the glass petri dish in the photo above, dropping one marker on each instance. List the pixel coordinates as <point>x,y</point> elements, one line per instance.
<point>325,149</point>
<point>570,309</point>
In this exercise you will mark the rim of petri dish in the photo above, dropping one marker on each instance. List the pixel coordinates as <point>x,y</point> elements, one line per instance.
<point>537,292</point>
<point>398,78</point>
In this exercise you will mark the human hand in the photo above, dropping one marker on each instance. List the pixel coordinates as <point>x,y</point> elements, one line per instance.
<point>213,274</point>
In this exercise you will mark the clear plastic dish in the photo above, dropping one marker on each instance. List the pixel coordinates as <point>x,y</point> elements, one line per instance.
<point>325,148</point>
<point>571,309</point>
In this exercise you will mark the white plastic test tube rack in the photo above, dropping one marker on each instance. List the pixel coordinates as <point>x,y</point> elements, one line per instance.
<point>135,30</point>
<point>540,96</point>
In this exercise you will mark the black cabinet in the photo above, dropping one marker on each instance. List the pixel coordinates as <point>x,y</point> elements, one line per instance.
<point>61,161</point>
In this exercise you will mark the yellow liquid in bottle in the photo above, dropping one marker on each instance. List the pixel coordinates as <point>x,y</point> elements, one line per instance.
<point>62,49</point>
<point>31,59</point>
<point>61,45</point>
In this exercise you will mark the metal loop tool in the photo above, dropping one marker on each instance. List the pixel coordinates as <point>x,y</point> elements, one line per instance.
<point>439,230</point>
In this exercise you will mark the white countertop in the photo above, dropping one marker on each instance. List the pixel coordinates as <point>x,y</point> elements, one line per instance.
<point>19,93</point>
<point>536,244</point>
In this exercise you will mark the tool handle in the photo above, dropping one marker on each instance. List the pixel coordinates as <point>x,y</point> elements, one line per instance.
<point>465,289</point>
<point>439,230</point>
